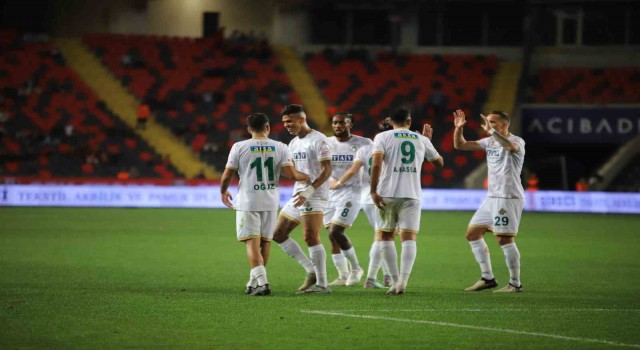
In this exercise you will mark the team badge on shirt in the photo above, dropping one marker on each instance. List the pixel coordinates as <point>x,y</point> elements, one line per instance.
<point>354,148</point>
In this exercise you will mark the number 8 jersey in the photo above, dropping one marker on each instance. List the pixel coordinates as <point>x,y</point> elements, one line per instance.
<point>258,162</point>
<point>404,152</point>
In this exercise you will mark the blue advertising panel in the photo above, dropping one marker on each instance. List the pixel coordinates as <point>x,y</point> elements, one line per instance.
<point>131,196</point>
<point>580,124</point>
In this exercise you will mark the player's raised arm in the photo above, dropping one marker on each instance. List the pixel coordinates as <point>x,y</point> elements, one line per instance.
<point>290,172</point>
<point>489,127</point>
<point>355,167</point>
<point>427,131</point>
<point>459,142</point>
<point>225,181</point>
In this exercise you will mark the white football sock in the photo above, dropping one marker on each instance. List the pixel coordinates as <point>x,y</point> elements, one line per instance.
<point>375,260</point>
<point>260,274</point>
<point>481,252</point>
<point>341,265</point>
<point>407,258</point>
<point>292,248</point>
<point>319,257</point>
<point>350,254</point>
<point>390,257</point>
<point>252,280</point>
<point>512,257</point>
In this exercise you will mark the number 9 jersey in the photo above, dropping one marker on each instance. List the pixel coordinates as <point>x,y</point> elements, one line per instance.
<point>258,162</point>
<point>404,152</point>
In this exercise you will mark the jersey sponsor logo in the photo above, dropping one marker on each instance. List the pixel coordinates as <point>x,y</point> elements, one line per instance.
<point>405,135</point>
<point>300,156</point>
<point>342,158</point>
<point>494,153</point>
<point>263,149</point>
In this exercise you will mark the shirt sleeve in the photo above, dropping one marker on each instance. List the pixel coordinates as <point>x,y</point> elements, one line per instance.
<point>484,143</point>
<point>430,153</point>
<point>232,161</point>
<point>285,156</point>
<point>378,146</point>
<point>360,154</point>
<point>324,150</point>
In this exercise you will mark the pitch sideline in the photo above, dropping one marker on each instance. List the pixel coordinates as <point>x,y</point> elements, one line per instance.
<point>459,325</point>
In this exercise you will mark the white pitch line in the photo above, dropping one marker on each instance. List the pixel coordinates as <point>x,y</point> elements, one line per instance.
<point>458,325</point>
<point>491,310</point>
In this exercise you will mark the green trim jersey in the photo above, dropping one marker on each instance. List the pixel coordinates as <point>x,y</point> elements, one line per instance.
<point>258,162</point>
<point>342,157</point>
<point>365,157</point>
<point>307,152</point>
<point>504,167</point>
<point>404,152</point>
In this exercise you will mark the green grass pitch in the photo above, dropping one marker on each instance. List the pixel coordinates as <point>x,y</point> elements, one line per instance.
<point>73,278</point>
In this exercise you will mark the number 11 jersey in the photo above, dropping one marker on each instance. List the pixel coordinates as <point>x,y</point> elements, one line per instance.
<point>258,162</point>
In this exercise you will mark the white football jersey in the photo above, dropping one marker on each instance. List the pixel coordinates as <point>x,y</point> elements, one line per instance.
<point>365,157</point>
<point>404,152</point>
<point>258,161</point>
<point>342,157</point>
<point>307,152</point>
<point>504,168</point>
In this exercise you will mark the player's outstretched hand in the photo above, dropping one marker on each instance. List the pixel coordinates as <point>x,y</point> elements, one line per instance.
<point>226,199</point>
<point>378,201</point>
<point>459,119</point>
<point>333,183</point>
<point>486,126</point>
<point>427,131</point>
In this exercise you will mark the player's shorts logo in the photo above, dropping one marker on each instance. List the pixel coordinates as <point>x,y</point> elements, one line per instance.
<point>502,211</point>
<point>348,205</point>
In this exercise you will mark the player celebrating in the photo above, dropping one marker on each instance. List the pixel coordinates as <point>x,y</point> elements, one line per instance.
<point>398,155</point>
<point>258,161</point>
<point>501,210</point>
<point>311,155</point>
<point>344,199</point>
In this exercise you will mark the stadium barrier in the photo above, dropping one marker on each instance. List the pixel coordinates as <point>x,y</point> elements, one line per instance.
<point>208,196</point>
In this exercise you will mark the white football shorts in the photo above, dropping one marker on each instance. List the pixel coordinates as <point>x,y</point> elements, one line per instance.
<point>500,215</point>
<point>255,224</point>
<point>312,206</point>
<point>401,212</point>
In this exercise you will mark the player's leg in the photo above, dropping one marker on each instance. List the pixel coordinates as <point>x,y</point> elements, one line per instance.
<point>386,222</point>
<point>258,271</point>
<point>311,227</point>
<point>248,231</point>
<point>343,218</point>
<point>409,215</point>
<point>375,253</point>
<point>287,221</point>
<point>507,220</point>
<point>339,260</point>
<point>480,223</point>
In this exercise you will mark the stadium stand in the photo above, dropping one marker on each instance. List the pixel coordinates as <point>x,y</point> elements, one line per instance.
<point>54,126</point>
<point>199,88</point>
<point>586,85</point>
<point>430,85</point>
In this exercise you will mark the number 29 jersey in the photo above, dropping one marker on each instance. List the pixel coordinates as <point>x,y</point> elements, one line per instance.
<point>404,152</point>
<point>258,162</point>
